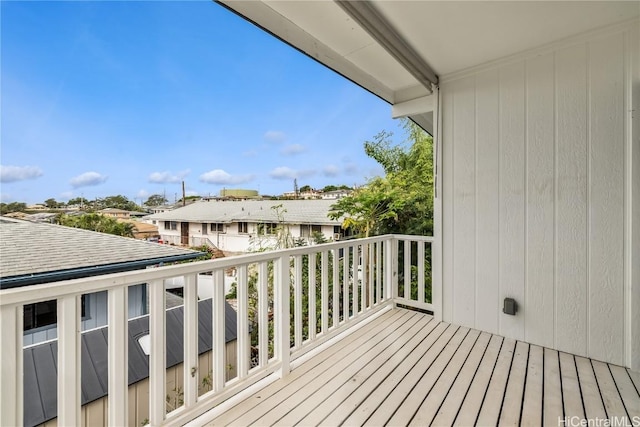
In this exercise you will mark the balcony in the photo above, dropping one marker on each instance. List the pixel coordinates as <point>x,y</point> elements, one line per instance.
<point>346,332</point>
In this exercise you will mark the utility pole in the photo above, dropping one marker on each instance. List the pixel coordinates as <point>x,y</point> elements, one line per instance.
<point>184,196</point>
<point>295,188</point>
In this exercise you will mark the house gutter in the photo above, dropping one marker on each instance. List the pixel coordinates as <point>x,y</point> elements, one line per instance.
<point>81,272</point>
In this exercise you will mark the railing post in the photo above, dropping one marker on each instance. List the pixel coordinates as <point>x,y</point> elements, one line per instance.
<point>11,369</point>
<point>217,315</point>
<point>263,314</point>
<point>190,326</point>
<point>282,324</point>
<point>69,397</point>
<point>157,357</point>
<point>324,292</point>
<point>243,322</point>
<point>312,297</point>
<point>390,270</point>
<point>297,284</point>
<point>118,361</point>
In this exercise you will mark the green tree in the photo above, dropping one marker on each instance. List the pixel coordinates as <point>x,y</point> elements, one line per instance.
<point>156,200</point>
<point>51,203</point>
<point>401,201</point>
<point>118,202</point>
<point>97,222</point>
<point>12,207</point>
<point>78,201</point>
<point>305,188</point>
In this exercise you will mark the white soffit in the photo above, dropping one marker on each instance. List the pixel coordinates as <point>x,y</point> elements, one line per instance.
<point>455,35</point>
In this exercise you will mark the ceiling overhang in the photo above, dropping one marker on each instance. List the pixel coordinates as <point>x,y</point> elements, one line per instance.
<point>399,50</point>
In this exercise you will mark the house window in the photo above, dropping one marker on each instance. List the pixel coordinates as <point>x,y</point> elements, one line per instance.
<point>243,227</point>
<point>307,230</point>
<point>267,228</point>
<point>217,228</point>
<point>44,313</point>
<point>204,228</point>
<point>170,225</point>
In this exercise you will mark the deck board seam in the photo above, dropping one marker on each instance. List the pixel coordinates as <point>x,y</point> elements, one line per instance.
<point>495,363</point>
<point>373,350</point>
<point>464,398</point>
<point>430,365</point>
<point>381,381</point>
<point>444,398</point>
<point>434,359</point>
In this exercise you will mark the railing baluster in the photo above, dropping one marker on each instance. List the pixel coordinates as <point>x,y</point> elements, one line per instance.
<point>324,293</point>
<point>355,276</point>
<point>282,325</point>
<point>420,271</point>
<point>157,356</point>
<point>378,272</point>
<point>336,290</point>
<point>407,269</point>
<point>391,266</point>
<point>218,311</point>
<point>118,360</point>
<point>11,369</point>
<point>297,315</point>
<point>263,314</point>
<point>371,284</point>
<point>312,297</point>
<point>345,284</point>
<point>243,323</point>
<point>190,365</point>
<point>69,360</point>
<point>361,277</point>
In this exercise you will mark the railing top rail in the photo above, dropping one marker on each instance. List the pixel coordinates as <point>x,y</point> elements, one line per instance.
<point>47,291</point>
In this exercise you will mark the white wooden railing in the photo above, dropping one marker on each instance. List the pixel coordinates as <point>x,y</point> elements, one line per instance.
<point>290,301</point>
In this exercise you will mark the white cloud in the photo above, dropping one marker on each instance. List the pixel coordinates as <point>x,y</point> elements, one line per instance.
<point>284,172</point>
<point>167,177</point>
<point>250,153</point>
<point>351,169</point>
<point>274,136</point>
<point>142,194</point>
<point>19,173</point>
<point>88,179</point>
<point>220,177</point>
<point>330,170</point>
<point>67,195</point>
<point>293,149</point>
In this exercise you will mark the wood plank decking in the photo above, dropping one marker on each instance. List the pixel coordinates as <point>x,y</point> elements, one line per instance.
<point>404,368</point>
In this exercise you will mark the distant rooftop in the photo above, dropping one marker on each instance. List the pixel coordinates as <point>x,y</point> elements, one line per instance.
<point>293,212</point>
<point>32,253</point>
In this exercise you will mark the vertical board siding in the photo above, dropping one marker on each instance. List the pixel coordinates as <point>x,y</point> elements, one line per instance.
<point>606,207</point>
<point>512,193</point>
<point>534,197</point>
<point>540,201</point>
<point>571,200</point>
<point>487,201</point>
<point>464,196</point>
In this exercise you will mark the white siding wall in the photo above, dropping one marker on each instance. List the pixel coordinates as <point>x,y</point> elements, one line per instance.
<point>536,192</point>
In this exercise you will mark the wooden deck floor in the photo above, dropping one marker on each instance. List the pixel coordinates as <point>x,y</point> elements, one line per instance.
<point>404,368</point>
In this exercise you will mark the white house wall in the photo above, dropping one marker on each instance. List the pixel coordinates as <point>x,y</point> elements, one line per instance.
<point>536,192</point>
<point>231,240</point>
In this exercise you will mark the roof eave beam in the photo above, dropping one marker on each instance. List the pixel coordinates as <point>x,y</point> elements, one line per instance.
<point>366,15</point>
<point>422,105</point>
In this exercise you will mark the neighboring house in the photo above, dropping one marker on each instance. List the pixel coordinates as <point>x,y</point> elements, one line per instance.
<point>336,194</point>
<point>142,230</point>
<point>40,395</point>
<point>115,213</point>
<point>238,226</point>
<point>38,253</point>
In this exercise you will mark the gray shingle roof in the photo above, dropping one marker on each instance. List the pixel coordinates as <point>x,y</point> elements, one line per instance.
<point>294,212</point>
<point>30,249</point>
<point>40,361</point>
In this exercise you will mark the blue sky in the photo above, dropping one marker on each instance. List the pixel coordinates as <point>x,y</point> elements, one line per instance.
<point>131,98</point>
